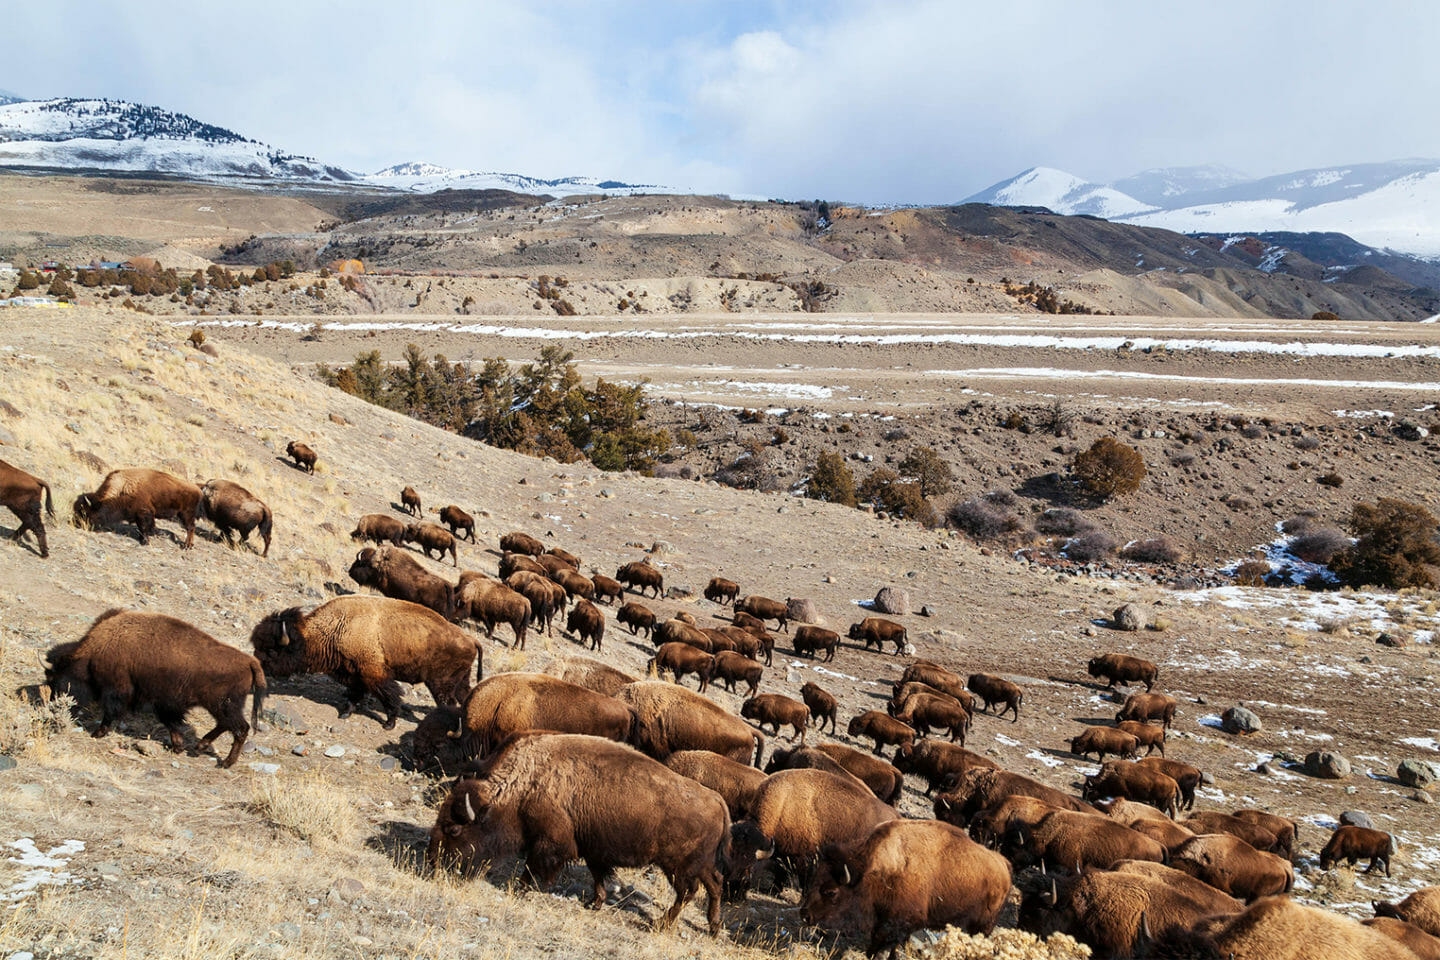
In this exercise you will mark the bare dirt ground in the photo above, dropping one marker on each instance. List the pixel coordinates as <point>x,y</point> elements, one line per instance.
<point>315,856</point>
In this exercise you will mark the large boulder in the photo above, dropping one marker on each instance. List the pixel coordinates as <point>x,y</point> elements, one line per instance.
<point>1327,765</point>
<point>1418,773</point>
<point>1355,818</point>
<point>1240,720</point>
<point>1131,617</point>
<point>894,601</point>
<point>802,610</point>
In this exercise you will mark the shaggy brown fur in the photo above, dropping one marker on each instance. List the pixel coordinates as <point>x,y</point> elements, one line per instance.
<point>565,556</point>
<point>804,809</point>
<point>1143,818</point>
<point>938,762</point>
<point>936,676</point>
<point>680,659</point>
<point>379,528</point>
<point>1278,928</point>
<point>994,690</point>
<point>511,703</point>
<point>587,623</point>
<point>398,575</point>
<point>1067,840</point>
<point>457,520</point>
<point>517,542</point>
<point>926,710</point>
<point>823,706</point>
<point>1411,937</point>
<point>1258,835</point>
<point>233,509</point>
<point>882,728</point>
<point>878,631</point>
<point>575,585</point>
<point>763,608</point>
<point>607,589</point>
<point>410,502</point>
<point>777,710</point>
<point>959,694</point>
<point>511,563</point>
<point>303,456</point>
<point>432,537</point>
<point>1150,737</point>
<point>590,674</point>
<point>1421,908</point>
<point>637,617</point>
<point>641,576</point>
<point>731,668</point>
<point>1133,781</point>
<point>1118,667</point>
<point>671,718</point>
<point>735,782</point>
<point>141,497</point>
<point>1232,866</point>
<point>810,639</point>
<point>547,598</point>
<point>1017,813</point>
<point>1351,843</point>
<point>1188,778</point>
<point>490,603</point>
<point>676,630</point>
<point>1287,831</point>
<point>1144,707</point>
<point>24,494</point>
<point>982,787</point>
<point>721,591</point>
<point>1104,740</point>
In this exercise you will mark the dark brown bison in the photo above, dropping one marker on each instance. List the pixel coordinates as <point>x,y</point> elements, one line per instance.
<point>517,542</point>
<point>731,667</point>
<point>763,608</point>
<point>457,520</point>
<point>587,623</point>
<point>400,576</point>
<point>24,494</point>
<point>938,762</point>
<point>576,586</point>
<point>431,537</point>
<point>670,718</point>
<point>491,603</point>
<point>1121,778</point>
<point>735,782</point>
<point>1232,866</point>
<point>1067,840</point>
<point>141,497</point>
<point>1188,778</point>
<point>994,690</point>
<point>641,575</point>
<point>903,691</point>
<point>410,502</point>
<point>127,659</point>
<point>981,787</point>
<point>511,703</point>
<point>1278,928</point>
<point>512,563</point>
<point>778,711</point>
<point>722,591</point>
<point>303,456</point>
<point>746,621</point>
<point>1257,835</point>
<point>878,631</point>
<point>379,528</point>
<point>564,556</point>
<point>590,674</point>
<point>1351,843</point>
<point>557,798</point>
<point>1147,735</point>
<point>1287,831</point>
<point>924,711</point>
<point>553,565</point>
<point>882,778</point>
<point>882,728</point>
<point>434,745</point>
<point>547,598</point>
<point>1018,815</point>
<point>1422,908</point>
<point>752,643</point>
<point>233,509</point>
<point>368,644</point>
<point>1144,707</point>
<point>823,706</point>
<point>907,875</point>
<point>637,617</point>
<point>607,589</point>
<point>1119,668</point>
<point>1103,741</point>
<point>680,659</point>
<point>810,640</point>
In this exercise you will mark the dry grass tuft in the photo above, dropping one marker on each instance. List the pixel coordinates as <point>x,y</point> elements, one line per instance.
<point>1006,945</point>
<point>308,806</point>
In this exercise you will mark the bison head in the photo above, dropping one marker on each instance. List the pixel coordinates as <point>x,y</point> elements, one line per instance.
<point>1044,911</point>
<point>1096,666</point>
<point>65,673</point>
<point>366,570</point>
<point>471,829</point>
<point>750,709</point>
<point>836,899</point>
<point>748,846</point>
<point>856,727</point>
<point>854,633</point>
<point>84,509</point>
<point>279,643</point>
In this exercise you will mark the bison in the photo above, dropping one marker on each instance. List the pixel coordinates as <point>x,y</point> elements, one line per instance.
<point>368,644</point>
<point>640,576</point>
<point>676,630</point>
<point>882,728</point>
<point>434,745</point>
<point>981,787</point>
<point>233,509</point>
<point>731,668</point>
<point>1188,778</point>
<point>512,563</point>
<point>564,556</point>
<point>400,576</point>
<point>1067,840</point>
<point>517,542</point>
<point>1287,831</point>
<point>576,585</point>
<point>128,658</point>
<point>878,631</point>
<point>993,690</point>
<point>1144,707</point>
<point>586,622</point>
<point>410,502</point>
<point>1351,843</point>
<point>379,528</point>
<point>141,497</point>
<point>721,591</point>
<point>590,674</point>
<point>1133,782</point>
<point>925,710</point>
<point>939,679</point>
<point>490,603</point>
<point>303,456</point>
<point>1422,908</point>
<point>1257,835</point>
<point>511,703</point>
<point>1412,938</point>
<point>763,608</point>
<point>777,710</point>
<point>457,520</point>
<point>557,798</point>
<point>1016,814</point>
<point>823,706</point>
<point>810,639</point>
<point>880,777</point>
<point>938,762</point>
<point>637,617</point>
<point>670,718</point>
<point>1143,818</point>
<point>1278,928</point>
<point>1232,866</point>
<point>679,659</point>
<point>1119,668</point>
<point>433,537</point>
<point>607,590</point>
<point>23,494</point>
<point>735,782</point>
<point>546,597</point>
<point>1102,741</point>
<point>902,692</point>
<point>1148,735</point>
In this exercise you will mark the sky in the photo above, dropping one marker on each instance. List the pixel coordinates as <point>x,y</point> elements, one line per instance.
<point>906,101</point>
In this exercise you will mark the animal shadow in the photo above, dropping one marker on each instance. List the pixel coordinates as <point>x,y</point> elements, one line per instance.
<point>293,465</point>
<point>9,534</point>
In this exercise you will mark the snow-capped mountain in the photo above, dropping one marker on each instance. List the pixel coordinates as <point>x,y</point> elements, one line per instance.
<point>1061,192</point>
<point>1161,187</point>
<point>428,177</point>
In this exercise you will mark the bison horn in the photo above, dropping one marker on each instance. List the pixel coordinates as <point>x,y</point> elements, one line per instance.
<point>1145,926</point>
<point>469,810</point>
<point>285,636</point>
<point>1054,893</point>
<point>458,731</point>
<point>1043,871</point>
<point>845,869</point>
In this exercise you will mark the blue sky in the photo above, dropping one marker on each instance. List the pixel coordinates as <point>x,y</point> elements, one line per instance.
<point>914,101</point>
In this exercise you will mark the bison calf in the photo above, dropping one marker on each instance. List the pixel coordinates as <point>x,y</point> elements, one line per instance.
<point>1103,741</point>
<point>433,537</point>
<point>586,622</point>
<point>992,690</point>
<point>637,617</point>
<point>303,456</point>
<point>607,589</point>
<point>680,659</point>
<point>400,576</point>
<point>23,494</point>
<point>882,728</point>
<point>732,667</point>
<point>410,502</point>
<point>810,639</point>
<point>457,520</point>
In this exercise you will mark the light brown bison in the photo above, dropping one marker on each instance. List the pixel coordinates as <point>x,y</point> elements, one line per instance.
<point>735,782</point>
<point>1147,735</point>
<point>641,575</point>
<point>547,598</point>
<point>823,706</point>
<point>1421,908</point>
<point>938,762</point>
<point>398,575</point>
<point>1351,843</point>
<point>937,677</point>
<point>368,644</point>
<point>553,565</point>
<point>1232,866</point>
<point>1120,668</point>
<point>731,667</point>
<point>141,497</point>
<point>590,674</point>
<point>303,456</point>
<point>778,711</point>
<point>410,502</point>
<point>1143,818</point>
<point>763,608</point>
<point>511,703</point>
<point>884,729</point>
<point>1103,741</point>
<point>1287,831</point>
<point>670,718</point>
<point>878,631</point>
<point>564,556</point>
<point>1133,781</point>
<point>804,809</point>
<point>127,659</point>
<point>24,494</point>
<point>379,528</point>
<point>810,640</point>
<point>746,621</point>
<point>1278,928</point>
<point>512,563</point>
<point>1188,778</point>
<point>880,777</point>
<point>1258,835</point>
<point>680,659</point>
<point>908,875</point>
<point>981,787</point>
<point>557,798</point>
<point>576,586</point>
<point>676,630</point>
<point>457,520</point>
<point>233,509</point>
<point>1144,707</point>
<point>721,591</point>
<point>994,690</point>
<point>517,542</point>
<point>587,623</point>
<point>607,589</point>
<point>637,617</point>
<point>1067,840</point>
<point>926,710</point>
<point>431,537</point>
<point>1412,938</point>
<point>491,603</point>
<point>902,691</point>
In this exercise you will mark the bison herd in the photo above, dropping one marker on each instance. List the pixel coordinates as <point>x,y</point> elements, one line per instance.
<point>588,763</point>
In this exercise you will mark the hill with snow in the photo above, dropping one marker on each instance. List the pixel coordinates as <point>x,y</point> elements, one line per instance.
<point>1061,192</point>
<point>428,177</point>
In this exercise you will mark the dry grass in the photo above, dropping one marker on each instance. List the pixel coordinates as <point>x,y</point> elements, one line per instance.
<point>1340,627</point>
<point>308,806</point>
<point>1006,945</point>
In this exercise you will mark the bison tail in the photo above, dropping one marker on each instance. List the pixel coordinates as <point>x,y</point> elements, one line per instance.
<point>267,522</point>
<point>257,693</point>
<point>759,747</point>
<point>49,503</point>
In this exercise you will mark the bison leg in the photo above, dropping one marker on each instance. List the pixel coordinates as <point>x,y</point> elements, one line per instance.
<point>684,890</point>
<point>390,700</point>
<point>599,874</point>
<point>145,525</point>
<point>230,719</point>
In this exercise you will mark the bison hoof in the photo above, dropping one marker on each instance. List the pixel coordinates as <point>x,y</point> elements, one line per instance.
<point>389,723</point>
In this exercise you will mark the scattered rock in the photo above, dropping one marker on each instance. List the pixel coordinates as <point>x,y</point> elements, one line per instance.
<point>149,748</point>
<point>388,763</point>
<point>546,498</point>
<point>802,610</point>
<point>300,750</point>
<point>269,769</point>
<point>1268,768</point>
<point>1327,765</point>
<point>336,418</point>
<point>894,601</point>
<point>1207,778</point>
<point>1391,640</point>
<point>335,752</point>
<point>1130,617</point>
<point>1240,720</point>
<point>661,548</point>
<point>1420,796</point>
<point>284,717</point>
<point>6,762</point>
<point>1159,624</point>
<point>679,592</point>
<point>925,612</point>
<point>1408,429</point>
<point>7,438</point>
<point>347,888</point>
<point>289,931</point>
<point>1354,818</point>
<point>1418,773</point>
<point>606,493</point>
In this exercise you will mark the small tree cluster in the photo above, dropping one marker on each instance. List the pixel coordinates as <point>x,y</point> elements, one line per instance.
<point>1109,468</point>
<point>1154,550</point>
<point>982,519</point>
<point>926,468</point>
<point>1395,546</point>
<point>900,498</point>
<point>832,480</point>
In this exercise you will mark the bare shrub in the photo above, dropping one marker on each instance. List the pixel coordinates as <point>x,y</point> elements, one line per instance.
<point>1109,468</point>
<point>1063,522</point>
<point>1319,544</point>
<point>1307,443</point>
<point>1299,523</point>
<point>1002,498</point>
<point>1252,573</point>
<point>982,520</point>
<point>1093,545</point>
<point>1330,480</point>
<point>1253,431</point>
<point>1395,546</point>
<point>1154,550</point>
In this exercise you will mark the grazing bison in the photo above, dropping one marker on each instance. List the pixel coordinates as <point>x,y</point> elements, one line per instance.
<point>1257,835</point>
<point>1018,815</point>
<point>586,622</point>
<point>992,690</point>
<point>433,537</point>
<point>810,639</point>
<point>1144,707</point>
<point>735,782</point>
<point>1188,778</point>
<point>878,631</point>
<point>907,875</point>
<point>127,659</point>
<point>410,502</point>
<point>670,718</point>
<point>1148,735</point>
<point>400,576</point>
<point>777,710</point>
<point>721,591</point>
<point>1232,866</point>
<point>553,565</point>
<point>680,659</point>
<point>1278,928</point>
<point>938,678</point>
<point>882,728</point>
<point>1068,840</point>
<point>676,630</point>
<point>303,456</point>
<point>368,644</point>
<point>1121,778</point>
<point>938,762</point>
<point>823,706</point>
<point>379,528</point>
<point>637,617</point>
<point>640,576</point>
<point>903,691</point>
<point>763,608</point>
<point>607,590</point>
<point>1119,668</point>
<point>233,509</point>
<point>141,497</point>
<point>434,745</point>
<point>557,798</point>
<point>490,603</point>
<point>802,810</point>
<point>1422,908</point>
<point>511,703</point>
<point>457,520</point>
<point>590,674</point>
<point>1351,843</point>
<point>981,787</point>
<point>547,598</point>
<point>517,542</point>
<point>926,710</point>
<point>1143,818</point>
<point>880,777</point>
<point>1102,741</point>
<point>23,494</point>
<point>1287,831</point>
<point>731,667</point>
